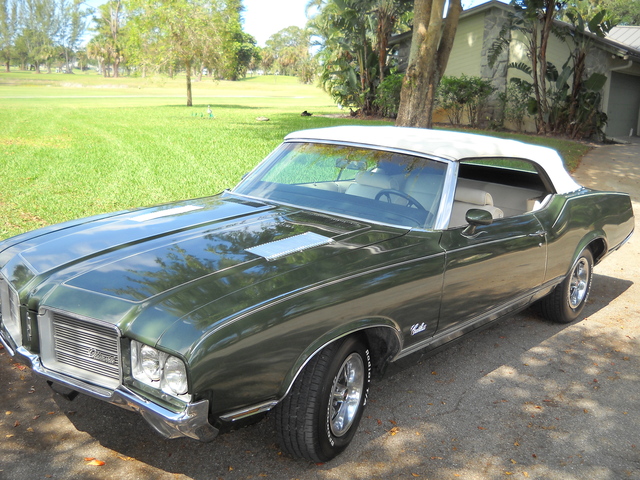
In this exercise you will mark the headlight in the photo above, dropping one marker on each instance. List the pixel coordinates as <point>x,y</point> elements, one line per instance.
<point>150,362</point>
<point>10,310</point>
<point>159,370</point>
<point>175,376</point>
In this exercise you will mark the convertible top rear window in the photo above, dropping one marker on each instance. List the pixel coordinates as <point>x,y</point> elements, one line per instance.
<point>376,185</point>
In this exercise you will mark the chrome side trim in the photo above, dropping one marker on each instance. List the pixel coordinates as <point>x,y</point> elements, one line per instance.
<point>617,247</point>
<point>248,411</point>
<point>395,331</point>
<point>457,331</point>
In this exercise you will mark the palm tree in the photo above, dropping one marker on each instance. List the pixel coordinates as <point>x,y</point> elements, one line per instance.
<point>354,45</point>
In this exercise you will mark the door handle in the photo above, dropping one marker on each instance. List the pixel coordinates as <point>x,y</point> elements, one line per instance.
<point>539,234</point>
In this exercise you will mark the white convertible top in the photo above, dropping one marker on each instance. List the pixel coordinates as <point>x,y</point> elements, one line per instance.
<point>452,146</point>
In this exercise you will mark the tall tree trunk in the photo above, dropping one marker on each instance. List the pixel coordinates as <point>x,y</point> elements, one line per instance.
<point>187,68</point>
<point>431,45</point>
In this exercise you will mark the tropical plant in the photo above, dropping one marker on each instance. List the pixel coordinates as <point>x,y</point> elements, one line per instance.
<point>534,20</point>
<point>353,47</point>
<point>567,100</point>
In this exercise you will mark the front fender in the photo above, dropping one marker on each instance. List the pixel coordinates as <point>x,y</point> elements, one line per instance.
<point>361,326</point>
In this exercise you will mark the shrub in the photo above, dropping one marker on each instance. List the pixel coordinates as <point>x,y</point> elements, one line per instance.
<point>459,95</point>
<point>388,95</point>
<point>515,102</point>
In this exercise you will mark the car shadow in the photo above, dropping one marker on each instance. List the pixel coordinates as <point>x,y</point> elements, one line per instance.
<point>428,409</point>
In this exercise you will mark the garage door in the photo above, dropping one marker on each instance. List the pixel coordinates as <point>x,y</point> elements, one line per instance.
<point>624,105</point>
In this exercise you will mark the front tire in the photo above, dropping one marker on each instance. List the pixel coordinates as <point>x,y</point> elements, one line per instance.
<point>319,417</point>
<point>566,301</point>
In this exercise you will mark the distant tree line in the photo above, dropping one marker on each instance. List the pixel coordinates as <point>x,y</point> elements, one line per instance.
<point>41,33</point>
<point>192,37</point>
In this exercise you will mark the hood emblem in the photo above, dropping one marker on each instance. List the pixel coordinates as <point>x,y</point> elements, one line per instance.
<point>286,246</point>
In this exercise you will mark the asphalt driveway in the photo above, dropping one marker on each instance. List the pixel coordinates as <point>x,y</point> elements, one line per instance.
<point>522,399</point>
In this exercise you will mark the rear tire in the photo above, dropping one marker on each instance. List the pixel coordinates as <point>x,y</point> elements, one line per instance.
<point>567,300</point>
<point>319,417</point>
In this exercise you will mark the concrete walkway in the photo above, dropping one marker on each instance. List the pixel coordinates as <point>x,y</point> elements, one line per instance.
<point>612,167</point>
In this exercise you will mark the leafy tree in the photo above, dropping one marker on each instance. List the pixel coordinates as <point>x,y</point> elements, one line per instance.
<point>431,44</point>
<point>178,33</point>
<point>623,12</point>
<point>72,27</point>
<point>109,43</point>
<point>240,52</point>
<point>239,47</point>
<point>40,21</point>
<point>9,26</point>
<point>287,52</point>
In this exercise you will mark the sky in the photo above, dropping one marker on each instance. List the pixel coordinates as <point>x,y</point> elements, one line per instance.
<point>263,18</point>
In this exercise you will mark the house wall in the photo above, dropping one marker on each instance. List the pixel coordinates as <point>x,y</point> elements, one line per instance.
<point>467,48</point>
<point>478,31</point>
<point>474,38</point>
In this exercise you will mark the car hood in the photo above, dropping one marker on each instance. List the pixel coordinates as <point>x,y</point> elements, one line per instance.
<point>147,269</point>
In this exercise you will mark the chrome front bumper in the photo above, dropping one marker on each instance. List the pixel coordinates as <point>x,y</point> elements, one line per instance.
<point>192,422</point>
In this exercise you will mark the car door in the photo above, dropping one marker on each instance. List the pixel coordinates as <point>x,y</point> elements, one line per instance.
<point>492,270</point>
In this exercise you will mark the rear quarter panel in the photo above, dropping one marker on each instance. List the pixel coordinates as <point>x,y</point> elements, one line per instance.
<point>574,221</point>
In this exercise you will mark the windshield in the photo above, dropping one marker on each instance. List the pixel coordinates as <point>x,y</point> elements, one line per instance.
<point>384,187</point>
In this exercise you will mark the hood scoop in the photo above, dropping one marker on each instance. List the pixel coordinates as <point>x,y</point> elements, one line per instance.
<point>281,248</point>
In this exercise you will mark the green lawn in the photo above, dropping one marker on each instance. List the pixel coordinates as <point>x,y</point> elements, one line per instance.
<point>76,145</point>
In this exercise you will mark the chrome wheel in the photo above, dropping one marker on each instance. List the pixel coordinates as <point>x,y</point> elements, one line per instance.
<point>346,393</point>
<point>320,415</point>
<point>566,301</point>
<point>579,284</point>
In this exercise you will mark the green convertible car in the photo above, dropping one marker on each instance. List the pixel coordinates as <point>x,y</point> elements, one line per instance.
<point>346,249</point>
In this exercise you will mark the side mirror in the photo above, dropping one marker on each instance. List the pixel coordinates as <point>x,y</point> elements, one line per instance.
<point>476,218</point>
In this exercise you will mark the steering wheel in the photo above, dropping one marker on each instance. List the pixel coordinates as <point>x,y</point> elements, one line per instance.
<point>410,200</point>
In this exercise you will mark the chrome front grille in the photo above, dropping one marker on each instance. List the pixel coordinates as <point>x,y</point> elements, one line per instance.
<point>81,348</point>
